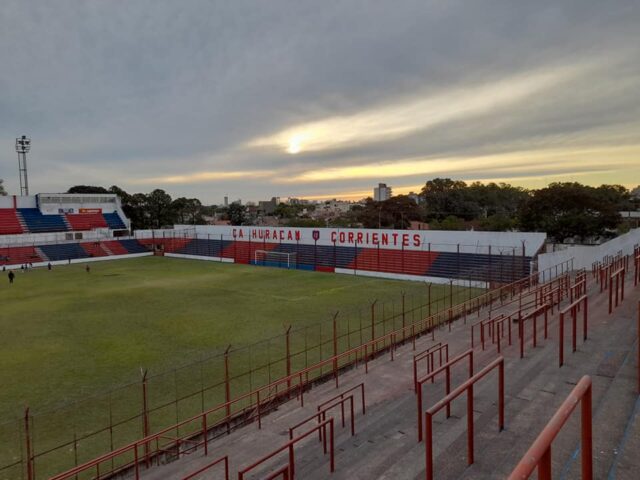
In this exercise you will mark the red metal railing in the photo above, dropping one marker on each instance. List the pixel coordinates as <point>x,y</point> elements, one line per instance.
<point>581,303</point>
<point>539,454</point>
<point>487,322</point>
<point>498,329</point>
<point>341,403</point>
<point>282,473</point>
<point>224,460</point>
<point>578,289</point>
<point>289,447</point>
<point>467,387</point>
<point>447,369</point>
<point>321,415</point>
<point>544,309</point>
<point>360,387</point>
<point>428,355</point>
<point>618,275</point>
<point>299,381</point>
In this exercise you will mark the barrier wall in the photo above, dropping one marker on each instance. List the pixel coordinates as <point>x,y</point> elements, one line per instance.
<point>408,254</point>
<point>584,256</point>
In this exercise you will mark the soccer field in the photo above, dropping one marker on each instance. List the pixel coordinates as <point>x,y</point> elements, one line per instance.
<point>68,334</point>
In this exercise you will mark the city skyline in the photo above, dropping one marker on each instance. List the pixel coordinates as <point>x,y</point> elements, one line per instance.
<point>302,99</point>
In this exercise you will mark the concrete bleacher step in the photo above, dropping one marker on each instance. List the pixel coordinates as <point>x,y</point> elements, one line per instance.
<point>41,254</point>
<point>500,452</point>
<point>106,249</point>
<point>528,408</point>
<point>385,445</point>
<point>626,464</point>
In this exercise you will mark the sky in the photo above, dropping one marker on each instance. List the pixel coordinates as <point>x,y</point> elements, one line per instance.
<point>318,99</point>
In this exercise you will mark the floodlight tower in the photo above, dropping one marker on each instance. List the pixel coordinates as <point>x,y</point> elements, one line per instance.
<point>23,145</point>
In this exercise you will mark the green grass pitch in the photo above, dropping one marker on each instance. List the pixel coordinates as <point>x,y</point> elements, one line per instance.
<point>68,334</point>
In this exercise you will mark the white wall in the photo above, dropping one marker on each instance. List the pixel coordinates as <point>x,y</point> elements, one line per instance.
<point>54,237</point>
<point>441,241</point>
<point>584,256</point>
<point>81,260</point>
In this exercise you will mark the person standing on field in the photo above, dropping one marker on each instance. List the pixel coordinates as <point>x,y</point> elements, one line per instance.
<point>11,276</point>
<point>88,268</point>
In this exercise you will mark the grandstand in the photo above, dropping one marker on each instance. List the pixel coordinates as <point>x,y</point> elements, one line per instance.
<point>497,258</point>
<point>62,228</point>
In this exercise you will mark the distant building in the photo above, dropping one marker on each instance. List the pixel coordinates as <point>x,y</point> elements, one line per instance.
<point>268,207</point>
<point>414,196</point>
<point>298,201</point>
<point>226,201</point>
<point>381,192</point>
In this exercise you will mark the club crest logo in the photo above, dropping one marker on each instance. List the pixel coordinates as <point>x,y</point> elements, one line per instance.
<point>316,235</point>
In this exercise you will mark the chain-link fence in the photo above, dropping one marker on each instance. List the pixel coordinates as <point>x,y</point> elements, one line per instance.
<point>48,442</point>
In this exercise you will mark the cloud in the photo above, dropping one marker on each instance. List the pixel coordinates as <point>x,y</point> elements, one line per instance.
<point>416,114</point>
<point>210,97</point>
<point>200,177</point>
<point>551,161</point>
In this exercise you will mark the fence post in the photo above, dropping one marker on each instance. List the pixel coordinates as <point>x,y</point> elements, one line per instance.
<point>586,443</point>
<point>288,356</point>
<point>373,326</point>
<point>27,437</point>
<point>145,415</point>
<point>227,387</point>
<point>403,317</point>
<point>335,347</point>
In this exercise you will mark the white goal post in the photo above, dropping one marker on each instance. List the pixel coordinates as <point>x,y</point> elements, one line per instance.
<point>281,258</point>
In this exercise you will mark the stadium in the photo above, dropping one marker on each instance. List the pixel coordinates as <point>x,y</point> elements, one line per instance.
<point>253,352</point>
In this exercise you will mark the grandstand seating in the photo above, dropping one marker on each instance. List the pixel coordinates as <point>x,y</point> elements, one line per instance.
<point>471,266</point>
<point>132,246</point>
<point>86,221</point>
<point>114,221</point>
<point>64,251</point>
<point>94,249</point>
<point>170,245</point>
<point>9,222</point>
<point>32,220</point>
<point>18,255</point>
<point>115,247</point>
<point>36,222</point>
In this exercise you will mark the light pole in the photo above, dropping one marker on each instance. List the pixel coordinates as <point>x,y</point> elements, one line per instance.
<point>23,145</point>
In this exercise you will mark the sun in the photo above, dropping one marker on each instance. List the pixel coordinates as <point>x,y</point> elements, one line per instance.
<point>294,145</point>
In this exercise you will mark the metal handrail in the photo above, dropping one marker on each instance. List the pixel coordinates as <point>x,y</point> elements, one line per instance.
<point>467,387</point>
<point>539,454</point>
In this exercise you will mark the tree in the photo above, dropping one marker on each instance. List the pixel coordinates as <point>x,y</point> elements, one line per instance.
<point>2,190</point>
<point>158,204</point>
<point>395,212</point>
<point>87,189</point>
<point>566,210</point>
<point>445,197</point>
<point>448,223</point>
<point>187,211</point>
<point>496,199</point>
<point>284,210</point>
<point>237,213</point>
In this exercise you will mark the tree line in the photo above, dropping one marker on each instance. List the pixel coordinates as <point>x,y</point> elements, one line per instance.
<point>155,209</point>
<point>567,210</point>
<point>562,210</point>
